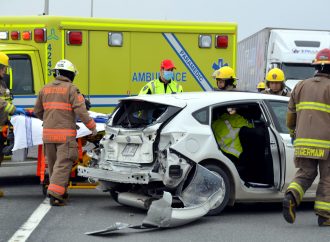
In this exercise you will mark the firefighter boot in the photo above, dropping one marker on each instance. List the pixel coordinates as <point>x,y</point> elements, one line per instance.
<point>54,201</point>
<point>289,208</point>
<point>323,221</point>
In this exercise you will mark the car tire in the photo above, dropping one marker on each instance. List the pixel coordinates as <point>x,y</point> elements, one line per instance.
<point>218,209</point>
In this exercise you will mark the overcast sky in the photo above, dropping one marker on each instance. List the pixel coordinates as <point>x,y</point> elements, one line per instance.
<point>250,15</point>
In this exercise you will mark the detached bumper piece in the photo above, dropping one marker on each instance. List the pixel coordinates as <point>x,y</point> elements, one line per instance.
<point>199,197</point>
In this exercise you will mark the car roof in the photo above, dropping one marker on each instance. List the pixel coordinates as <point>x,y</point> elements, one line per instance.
<point>205,98</point>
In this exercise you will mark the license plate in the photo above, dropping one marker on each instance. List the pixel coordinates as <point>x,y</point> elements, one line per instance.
<point>130,150</point>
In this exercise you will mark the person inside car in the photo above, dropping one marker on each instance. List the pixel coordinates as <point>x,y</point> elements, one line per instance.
<point>226,130</point>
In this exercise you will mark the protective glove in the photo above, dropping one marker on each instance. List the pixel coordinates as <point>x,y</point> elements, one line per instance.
<point>19,111</point>
<point>292,140</point>
<point>94,132</point>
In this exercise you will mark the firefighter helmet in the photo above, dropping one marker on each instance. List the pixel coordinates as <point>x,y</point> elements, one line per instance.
<point>4,59</point>
<point>261,85</point>
<point>275,75</point>
<point>225,72</point>
<point>65,65</point>
<point>322,57</point>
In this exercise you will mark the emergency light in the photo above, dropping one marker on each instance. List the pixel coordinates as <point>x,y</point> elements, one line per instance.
<point>15,35</point>
<point>74,37</point>
<point>26,35</point>
<point>40,35</point>
<point>221,41</point>
<point>115,39</point>
<point>205,41</point>
<point>4,35</point>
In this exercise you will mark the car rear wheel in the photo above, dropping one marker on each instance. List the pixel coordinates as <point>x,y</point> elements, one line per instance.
<point>222,203</point>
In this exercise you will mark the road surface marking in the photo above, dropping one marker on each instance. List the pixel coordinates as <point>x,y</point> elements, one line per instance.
<point>24,232</point>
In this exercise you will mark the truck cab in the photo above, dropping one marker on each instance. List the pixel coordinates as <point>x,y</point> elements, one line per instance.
<point>294,50</point>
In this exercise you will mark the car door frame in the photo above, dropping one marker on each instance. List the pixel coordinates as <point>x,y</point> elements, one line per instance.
<point>279,181</point>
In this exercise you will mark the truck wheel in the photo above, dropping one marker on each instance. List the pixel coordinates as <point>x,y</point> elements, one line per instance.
<point>221,204</point>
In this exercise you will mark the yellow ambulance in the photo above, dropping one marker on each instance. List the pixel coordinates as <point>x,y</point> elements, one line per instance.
<point>115,58</point>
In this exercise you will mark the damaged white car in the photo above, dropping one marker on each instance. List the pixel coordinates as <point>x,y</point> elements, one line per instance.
<point>153,143</point>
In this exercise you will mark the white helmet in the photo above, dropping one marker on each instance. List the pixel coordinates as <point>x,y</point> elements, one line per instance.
<point>66,66</point>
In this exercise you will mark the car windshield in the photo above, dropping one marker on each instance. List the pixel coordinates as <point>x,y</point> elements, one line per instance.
<point>137,113</point>
<point>298,71</point>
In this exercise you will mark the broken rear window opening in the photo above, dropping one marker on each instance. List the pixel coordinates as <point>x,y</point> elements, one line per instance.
<point>138,114</point>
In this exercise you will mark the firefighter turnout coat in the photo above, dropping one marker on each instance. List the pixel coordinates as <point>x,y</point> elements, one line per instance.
<point>58,105</point>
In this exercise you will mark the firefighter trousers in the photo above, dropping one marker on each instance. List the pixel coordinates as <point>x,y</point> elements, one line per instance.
<point>60,158</point>
<point>304,178</point>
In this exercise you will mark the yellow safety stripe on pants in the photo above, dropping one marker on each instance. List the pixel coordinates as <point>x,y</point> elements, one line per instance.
<point>312,142</point>
<point>313,106</point>
<point>9,108</point>
<point>322,205</point>
<point>295,186</point>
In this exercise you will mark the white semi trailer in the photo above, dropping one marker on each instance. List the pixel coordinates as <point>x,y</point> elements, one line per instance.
<point>291,50</point>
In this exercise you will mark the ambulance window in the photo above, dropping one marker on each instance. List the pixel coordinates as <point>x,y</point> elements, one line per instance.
<point>22,74</point>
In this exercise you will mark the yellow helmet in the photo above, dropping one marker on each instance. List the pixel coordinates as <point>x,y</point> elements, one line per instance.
<point>4,59</point>
<point>275,75</point>
<point>225,72</point>
<point>261,85</point>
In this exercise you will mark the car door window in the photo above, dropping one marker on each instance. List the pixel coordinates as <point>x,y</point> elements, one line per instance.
<point>22,74</point>
<point>279,110</point>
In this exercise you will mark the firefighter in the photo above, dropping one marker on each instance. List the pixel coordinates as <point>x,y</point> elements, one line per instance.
<point>6,109</point>
<point>226,79</point>
<point>308,120</point>
<point>261,86</point>
<point>58,104</point>
<point>165,83</point>
<point>5,100</point>
<point>275,79</point>
<point>4,65</point>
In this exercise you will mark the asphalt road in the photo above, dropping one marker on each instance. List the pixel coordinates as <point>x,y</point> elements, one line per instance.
<point>90,210</point>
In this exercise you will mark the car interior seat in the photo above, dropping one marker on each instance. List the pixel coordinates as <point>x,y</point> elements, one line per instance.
<point>256,146</point>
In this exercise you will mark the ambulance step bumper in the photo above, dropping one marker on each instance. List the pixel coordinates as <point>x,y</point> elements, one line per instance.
<point>140,177</point>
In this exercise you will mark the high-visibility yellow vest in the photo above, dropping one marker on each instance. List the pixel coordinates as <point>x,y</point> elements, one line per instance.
<point>226,130</point>
<point>158,87</point>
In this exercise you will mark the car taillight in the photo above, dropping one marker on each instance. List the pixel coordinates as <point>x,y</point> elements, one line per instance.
<point>40,35</point>
<point>74,38</point>
<point>15,35</point>
<point>26,35</point>
<point>221,41</point>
